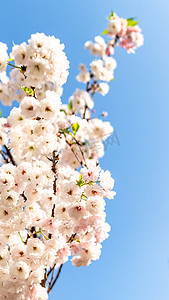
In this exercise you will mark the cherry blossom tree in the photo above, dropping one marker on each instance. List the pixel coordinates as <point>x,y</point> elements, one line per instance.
<point>52,188</point>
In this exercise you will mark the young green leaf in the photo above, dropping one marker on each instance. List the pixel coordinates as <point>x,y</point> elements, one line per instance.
<point>111,15</point>
<point>75,128</point>
<point>70,105</point>
<point>80,182</point>
<point>27,90</point>
<point>105,32</point>
<point>131,22</point>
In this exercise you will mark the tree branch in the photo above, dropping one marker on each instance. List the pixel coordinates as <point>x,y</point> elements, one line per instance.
<point>51,281</point>
<point>56,278</point>
<point>8,153</point>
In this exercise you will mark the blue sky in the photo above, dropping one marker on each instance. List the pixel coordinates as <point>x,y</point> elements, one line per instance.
<point>134,264</point>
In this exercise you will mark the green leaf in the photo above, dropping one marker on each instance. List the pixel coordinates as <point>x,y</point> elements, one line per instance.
<point>27,90</point>
<point>0,113</point>
<point>105,32</point>
<point>13,43</point>
<point>131,22</point>
<point>70,105</point>
<point>112,79</point>
<point>80,182</point>
<point>75,128</point>
<point>111,15</point>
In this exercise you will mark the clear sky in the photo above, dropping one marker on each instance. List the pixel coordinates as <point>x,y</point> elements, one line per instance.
<point>134,264</point>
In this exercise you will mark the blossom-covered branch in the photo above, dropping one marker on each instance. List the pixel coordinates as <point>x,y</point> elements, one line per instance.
<point>52,188</point>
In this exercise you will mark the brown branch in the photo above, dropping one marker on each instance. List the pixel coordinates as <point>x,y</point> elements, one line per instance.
<point>55,161</point>
<point>80,148</point>
<point>43,282</point>
<point>8,153</point>
<point>72,237</point>
<point>50,270</point>
<point>78,159</point>
<point>56,278</point>
<point>88,88</point>
<point>24,197</point>
<point>5,158</point>
<point>53,211</point>
<point>51,281</point>
<point>84,114</point>
<point>33,231</point>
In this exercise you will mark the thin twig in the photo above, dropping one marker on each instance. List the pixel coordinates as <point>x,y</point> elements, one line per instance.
<point>72,237</point>
<point>8,152</point>
<point>51,281</point>
<point>50,270</point>
<point>5,158</point>
<point>80,148</point>
<point>56,278</point>
<point>14,66</point>
<point>43,282</point>
<point>78,159</point>
<point>33,231</point>
<point>24,197</point>
<point>55,161</point>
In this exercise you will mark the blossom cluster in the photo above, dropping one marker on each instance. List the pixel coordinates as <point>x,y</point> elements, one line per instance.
<point>41,64</point>
<point>126,31</point>
<point>52,188</point>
